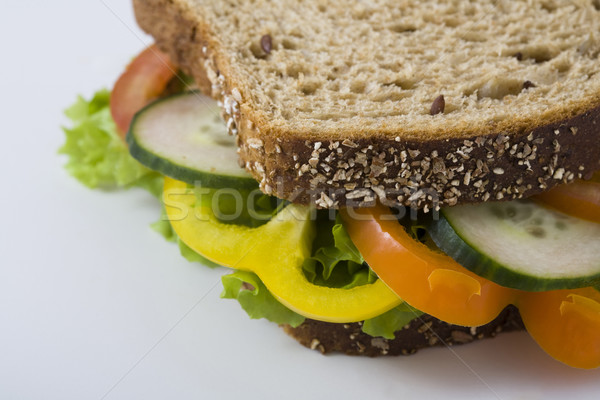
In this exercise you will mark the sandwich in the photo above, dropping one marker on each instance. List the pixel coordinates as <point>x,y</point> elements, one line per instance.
<point>380,177</point>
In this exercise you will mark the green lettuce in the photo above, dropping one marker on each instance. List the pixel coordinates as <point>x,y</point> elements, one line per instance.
<point>256,300</point>
<point>97,156</point>
<point>335,261</point>
<point>386,324</point>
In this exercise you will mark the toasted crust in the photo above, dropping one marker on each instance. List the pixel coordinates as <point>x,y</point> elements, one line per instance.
<point>350,167</point>
<point>422,332</point>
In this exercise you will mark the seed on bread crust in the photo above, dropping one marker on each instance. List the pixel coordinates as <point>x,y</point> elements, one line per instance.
<point>266,43</point>
<point>530,167</point>
<point>438,105</point>
<point>528,84</point>
<point>420,333</point>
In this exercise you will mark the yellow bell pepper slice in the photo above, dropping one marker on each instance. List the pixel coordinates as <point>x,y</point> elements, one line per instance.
<point>275,252</point>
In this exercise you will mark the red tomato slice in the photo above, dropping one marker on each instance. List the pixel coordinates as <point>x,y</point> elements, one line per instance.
<point>580,199</point>
<point>144,80</point>
<point>429,281</point>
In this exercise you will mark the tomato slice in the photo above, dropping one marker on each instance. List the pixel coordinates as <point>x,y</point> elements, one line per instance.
<point>145,78</point>
<point>580,199</point>
<point>429,281</point>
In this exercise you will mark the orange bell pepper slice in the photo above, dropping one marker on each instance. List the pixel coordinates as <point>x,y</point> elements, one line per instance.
<point>580,199</point>
<point>565,323</point>
<point>431,282</point>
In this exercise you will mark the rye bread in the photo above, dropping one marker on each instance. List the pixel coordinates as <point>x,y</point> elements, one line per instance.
<point>520,128</point>
<point>422,332</point>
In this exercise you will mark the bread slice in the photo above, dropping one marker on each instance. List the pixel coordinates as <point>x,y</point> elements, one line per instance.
<point>421,103</point>
<point>422,332</point>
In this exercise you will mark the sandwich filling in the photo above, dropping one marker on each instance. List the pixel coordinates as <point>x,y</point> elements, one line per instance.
<point>375,265</point>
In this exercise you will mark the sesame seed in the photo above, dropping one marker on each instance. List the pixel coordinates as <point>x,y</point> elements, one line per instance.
<point>358,193</point>
<point>254,143</point>
<point>361,347</point>
<point>413,153</point>
<point>325,200</point>
<point>425,327</point>
<point>467,178</point>
<point>236,94</point>
<point>314,343</point>
<point>403,156</point>
<point>349,143</point>
<point>559,173</point>
<point>461,337</point>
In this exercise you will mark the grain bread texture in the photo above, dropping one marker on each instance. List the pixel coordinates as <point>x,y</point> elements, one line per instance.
<point>422,332</point>
<point>332,104</point>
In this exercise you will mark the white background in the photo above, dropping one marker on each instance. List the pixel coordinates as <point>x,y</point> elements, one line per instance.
<point>95,305</point>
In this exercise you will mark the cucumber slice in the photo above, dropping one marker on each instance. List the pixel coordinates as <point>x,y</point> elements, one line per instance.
<point>184,137</point>
<point>521,244</point>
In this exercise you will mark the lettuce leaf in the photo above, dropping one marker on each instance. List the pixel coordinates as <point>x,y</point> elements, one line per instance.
<point>335,261</point>
<point>98,157</point>
<point>256,300</point>
<point>386,324</point>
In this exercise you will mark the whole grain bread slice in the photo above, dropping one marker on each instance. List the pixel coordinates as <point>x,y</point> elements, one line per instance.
<point>425,331</point>
<point>419,103</point>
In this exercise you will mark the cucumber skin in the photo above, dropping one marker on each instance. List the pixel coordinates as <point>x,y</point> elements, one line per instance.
<point>180,172</point>
<point>446,238</point>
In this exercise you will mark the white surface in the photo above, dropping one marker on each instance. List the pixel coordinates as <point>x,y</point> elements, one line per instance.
<point>94,305</point>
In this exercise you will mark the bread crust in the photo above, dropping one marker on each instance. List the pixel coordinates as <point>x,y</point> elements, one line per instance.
<point>422,332</point>
<point>340,169</point>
